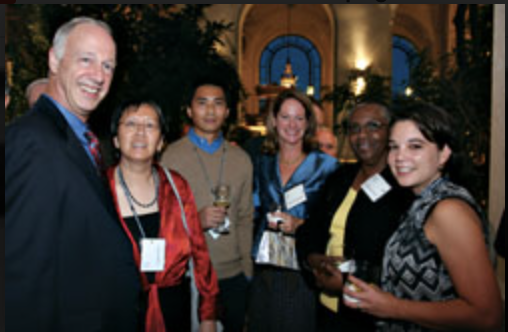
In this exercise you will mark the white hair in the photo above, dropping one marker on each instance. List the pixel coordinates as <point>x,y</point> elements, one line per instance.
<point>62,34</point>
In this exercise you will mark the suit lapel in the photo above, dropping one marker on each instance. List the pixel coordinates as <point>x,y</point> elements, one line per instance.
<point>74,149</point>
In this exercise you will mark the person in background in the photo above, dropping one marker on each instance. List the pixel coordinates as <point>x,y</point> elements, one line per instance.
<point>327,141</point>
<point>68,263</point>
<point>288,178</point>
<point>149,209</point>
<point>437,274</point>
<point>206,160</point>
<point>349,220</point>
<point>35,89</point>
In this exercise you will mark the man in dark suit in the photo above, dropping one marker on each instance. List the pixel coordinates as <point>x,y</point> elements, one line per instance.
<point>69,266</point>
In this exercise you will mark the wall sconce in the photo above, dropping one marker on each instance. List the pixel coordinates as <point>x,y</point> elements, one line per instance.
<point>362,64</point>
<point>409,91</point>
<point>359,86</point>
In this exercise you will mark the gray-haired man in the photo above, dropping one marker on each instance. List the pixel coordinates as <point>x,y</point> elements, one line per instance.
<point>68,263</point>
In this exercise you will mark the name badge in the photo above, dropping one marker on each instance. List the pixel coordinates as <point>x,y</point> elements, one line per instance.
<point>376,188</point>
<point>295,197</point>
<point>153,255</point>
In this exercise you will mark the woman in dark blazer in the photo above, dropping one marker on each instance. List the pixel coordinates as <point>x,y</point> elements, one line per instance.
<point>351,219</point>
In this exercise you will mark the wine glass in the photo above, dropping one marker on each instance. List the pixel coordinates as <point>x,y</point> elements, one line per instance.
<point>365,271</point>
<point>222,198</point>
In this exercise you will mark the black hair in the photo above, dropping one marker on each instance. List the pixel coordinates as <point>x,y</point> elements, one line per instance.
<point>208,81</point>
<point>135,105</point>
<point>438,126</point>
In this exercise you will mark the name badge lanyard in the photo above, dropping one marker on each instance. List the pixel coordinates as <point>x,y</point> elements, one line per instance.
<point>131,204</point>
<point>205,172</point>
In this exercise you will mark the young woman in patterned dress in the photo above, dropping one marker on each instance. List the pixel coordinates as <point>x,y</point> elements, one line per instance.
<point>437,274</point>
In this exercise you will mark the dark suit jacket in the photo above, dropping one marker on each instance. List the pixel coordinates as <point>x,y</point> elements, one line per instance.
<point>69,265</point>
<point>369,226</point>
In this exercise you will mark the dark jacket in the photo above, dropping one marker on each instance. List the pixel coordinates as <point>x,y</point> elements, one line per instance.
<point>369,225</point>
<point>68,263</point>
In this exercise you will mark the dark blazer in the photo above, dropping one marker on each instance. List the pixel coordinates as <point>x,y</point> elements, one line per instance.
<point>369,226</point>
<point>69,264</point>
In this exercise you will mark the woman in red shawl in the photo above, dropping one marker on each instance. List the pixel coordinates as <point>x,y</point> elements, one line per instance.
<point>151,214</point>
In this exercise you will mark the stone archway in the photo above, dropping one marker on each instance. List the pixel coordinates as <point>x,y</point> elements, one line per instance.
<point>260,24</point>
<point>426,26</point>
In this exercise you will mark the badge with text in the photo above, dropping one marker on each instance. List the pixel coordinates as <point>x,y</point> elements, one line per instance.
<point>295,197</point>
<point>153,255</point>
<point>376,187</point>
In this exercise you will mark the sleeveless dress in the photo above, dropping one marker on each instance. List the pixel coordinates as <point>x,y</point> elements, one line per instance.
<point>412,267</point>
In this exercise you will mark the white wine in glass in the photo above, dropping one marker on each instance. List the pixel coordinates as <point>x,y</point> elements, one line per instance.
<point>222,199</point>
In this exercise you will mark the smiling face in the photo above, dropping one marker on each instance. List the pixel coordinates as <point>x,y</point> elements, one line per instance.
<point>208,110</point>
<point>291,122</point>
<point>368,134</point>
<point>82,77</point>
<point>415,161</point>
<point>139,134</point>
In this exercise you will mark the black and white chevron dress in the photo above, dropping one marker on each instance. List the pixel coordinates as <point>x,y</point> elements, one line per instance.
<point>412,267</point>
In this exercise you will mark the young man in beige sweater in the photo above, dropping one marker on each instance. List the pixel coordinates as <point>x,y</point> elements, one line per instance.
<point>207,160</point>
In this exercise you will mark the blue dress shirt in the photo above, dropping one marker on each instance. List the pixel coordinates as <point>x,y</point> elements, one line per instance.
<point>203,144</point>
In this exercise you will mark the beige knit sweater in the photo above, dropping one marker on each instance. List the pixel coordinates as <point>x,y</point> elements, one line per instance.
<point>231,253</point>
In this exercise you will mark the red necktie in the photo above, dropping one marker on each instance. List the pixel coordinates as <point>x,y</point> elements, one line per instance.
<point>93,147</point>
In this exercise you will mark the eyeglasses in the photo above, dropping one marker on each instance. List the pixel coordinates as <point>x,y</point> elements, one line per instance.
<point>369,127</point>
<point>133,126</point>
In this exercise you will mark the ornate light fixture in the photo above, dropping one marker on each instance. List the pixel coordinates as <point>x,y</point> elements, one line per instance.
<point>288,79</point>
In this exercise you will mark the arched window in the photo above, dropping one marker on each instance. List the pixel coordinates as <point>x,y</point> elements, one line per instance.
<point>305,61</point>
<point>403,56</point>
